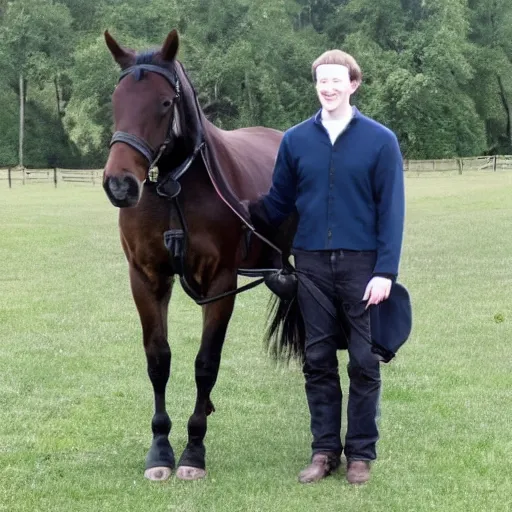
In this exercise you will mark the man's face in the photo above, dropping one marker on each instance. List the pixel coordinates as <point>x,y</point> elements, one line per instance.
<point>333,85</point>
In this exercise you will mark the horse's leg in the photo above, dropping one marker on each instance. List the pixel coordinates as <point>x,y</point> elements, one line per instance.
<point>216,317</point>
<point>152,302</point>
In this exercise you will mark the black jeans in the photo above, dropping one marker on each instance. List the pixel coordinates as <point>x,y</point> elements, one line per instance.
<point>342,277</point>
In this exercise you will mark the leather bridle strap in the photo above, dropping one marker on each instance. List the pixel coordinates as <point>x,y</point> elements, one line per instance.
<point>135,142</point>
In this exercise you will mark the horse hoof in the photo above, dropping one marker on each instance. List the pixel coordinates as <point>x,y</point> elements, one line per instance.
<point>190,473</point>
<point>158,474</point>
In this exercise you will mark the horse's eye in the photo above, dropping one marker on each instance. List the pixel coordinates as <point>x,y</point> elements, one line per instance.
<point>166,103</point>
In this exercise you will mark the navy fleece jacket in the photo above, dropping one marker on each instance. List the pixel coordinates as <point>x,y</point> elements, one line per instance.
<point>349,195</point>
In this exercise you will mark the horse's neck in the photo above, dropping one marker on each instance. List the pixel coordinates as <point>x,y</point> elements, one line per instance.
<point>225,167</point>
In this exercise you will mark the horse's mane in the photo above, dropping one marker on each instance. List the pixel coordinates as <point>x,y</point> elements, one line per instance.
<point>146,57</point>
<point>191,109</point>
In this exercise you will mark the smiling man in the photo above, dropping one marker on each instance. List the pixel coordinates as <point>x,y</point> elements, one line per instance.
<point>343,173</point>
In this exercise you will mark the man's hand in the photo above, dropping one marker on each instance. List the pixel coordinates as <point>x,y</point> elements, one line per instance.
<point>377,290</point>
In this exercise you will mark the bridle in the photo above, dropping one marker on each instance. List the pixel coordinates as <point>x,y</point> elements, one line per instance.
<point>150,154</point>
<point>169,187</point>
<point>153,156</point>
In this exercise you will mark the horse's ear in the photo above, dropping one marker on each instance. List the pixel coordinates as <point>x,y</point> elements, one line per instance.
<point>119,54</point>
<point>171,45</point>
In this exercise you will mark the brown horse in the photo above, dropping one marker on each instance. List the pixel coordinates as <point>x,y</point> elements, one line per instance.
<point>189,222</point>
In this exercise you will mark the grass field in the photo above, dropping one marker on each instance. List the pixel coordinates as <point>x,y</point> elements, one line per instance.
<point>76,403</point>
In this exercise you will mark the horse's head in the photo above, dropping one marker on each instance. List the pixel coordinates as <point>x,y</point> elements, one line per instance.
<point>144,117</point>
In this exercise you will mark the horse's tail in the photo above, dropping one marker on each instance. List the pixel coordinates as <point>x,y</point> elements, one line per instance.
<point>285,336</point>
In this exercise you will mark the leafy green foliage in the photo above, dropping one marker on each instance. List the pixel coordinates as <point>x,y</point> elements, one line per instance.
<point>438,72</point>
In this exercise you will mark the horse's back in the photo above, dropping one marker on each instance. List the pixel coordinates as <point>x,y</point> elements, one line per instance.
<point>254,136</point>
<point>247,156</point>
<point>258,143</point>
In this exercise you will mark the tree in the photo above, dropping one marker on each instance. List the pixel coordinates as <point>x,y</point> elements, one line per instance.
<point>416,69</point>
<point>438,72</point>
<point>253,65</point>
<point>35,46</point>
<point>491,32</point>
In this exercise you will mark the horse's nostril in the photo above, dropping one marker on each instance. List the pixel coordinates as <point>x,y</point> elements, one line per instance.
<point>133,188</point>
<point>122,191</point>
<point>118,188</point>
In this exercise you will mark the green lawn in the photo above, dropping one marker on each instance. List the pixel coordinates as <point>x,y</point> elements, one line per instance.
<point>76,403</point>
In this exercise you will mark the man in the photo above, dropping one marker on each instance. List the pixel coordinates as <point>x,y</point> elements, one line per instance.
<point>343,173</point>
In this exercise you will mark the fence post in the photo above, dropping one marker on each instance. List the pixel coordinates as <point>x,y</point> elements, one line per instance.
<point>495,158</point>
<point>9,176</point>
<point>23,175</point>
<point>461,163</point>
<point>55,176</point>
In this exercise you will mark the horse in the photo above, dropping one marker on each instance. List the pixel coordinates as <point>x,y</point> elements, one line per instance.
<point>188,223</point>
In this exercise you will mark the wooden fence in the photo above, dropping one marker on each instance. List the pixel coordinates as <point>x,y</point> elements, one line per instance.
<point>58,176</point>
<point>477,163</point>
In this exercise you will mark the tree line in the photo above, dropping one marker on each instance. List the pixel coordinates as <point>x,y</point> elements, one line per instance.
<point>438,72</point>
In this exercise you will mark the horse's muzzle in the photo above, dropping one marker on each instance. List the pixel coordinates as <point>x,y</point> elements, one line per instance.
<point>123,192</point>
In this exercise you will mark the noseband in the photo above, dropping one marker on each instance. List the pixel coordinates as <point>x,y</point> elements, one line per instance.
<point>140,145</point>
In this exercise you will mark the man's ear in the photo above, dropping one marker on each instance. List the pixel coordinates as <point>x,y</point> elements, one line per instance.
<point>355,85</point>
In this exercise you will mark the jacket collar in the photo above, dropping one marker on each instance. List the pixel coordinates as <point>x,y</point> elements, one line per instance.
<point>355,115</point>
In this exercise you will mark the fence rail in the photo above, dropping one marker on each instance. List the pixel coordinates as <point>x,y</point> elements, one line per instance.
<point>59,176</point>
<point>56,176</point>
<point>477,163</point>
